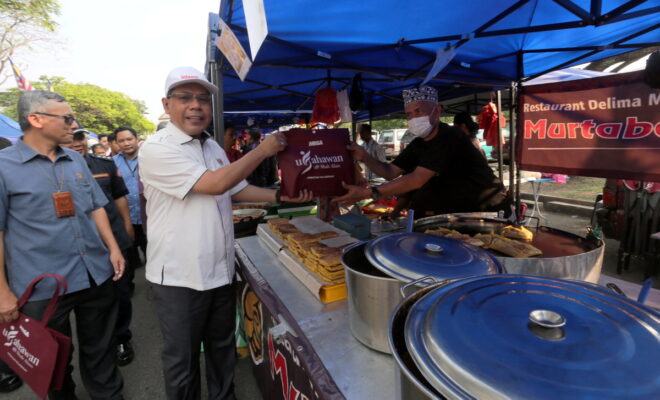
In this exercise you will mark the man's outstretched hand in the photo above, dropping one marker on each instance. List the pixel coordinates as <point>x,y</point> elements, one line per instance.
<point>354,194</point>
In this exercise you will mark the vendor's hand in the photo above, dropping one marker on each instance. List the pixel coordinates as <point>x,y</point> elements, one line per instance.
<point>362,181</point>
<point>8,306</point>
<point>273,144</point>
<point>359,154</point>
<point>303,197</point>
<point>118,264</point>
<point>355,193</point>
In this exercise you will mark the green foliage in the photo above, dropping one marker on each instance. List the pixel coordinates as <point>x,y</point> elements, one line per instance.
<point>97,109</point>
<point>24,24</point>
<point>38,13</point>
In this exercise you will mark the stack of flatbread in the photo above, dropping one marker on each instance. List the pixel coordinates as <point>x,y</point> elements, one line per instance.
<point>282,228</point>
<point>323,260</point>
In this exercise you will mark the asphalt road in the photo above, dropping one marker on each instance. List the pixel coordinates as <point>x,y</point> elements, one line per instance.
<point>143,378</point>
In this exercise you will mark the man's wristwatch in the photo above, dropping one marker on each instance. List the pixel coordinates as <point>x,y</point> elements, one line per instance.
<point>375,194</point>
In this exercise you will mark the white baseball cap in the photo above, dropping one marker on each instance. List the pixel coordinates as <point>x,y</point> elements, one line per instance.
<point>183,75</point>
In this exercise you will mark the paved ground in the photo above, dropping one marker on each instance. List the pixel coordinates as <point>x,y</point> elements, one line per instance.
<point>143,379</point>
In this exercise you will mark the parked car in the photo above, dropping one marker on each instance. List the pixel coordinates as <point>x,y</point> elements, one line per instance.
<point>390,140</point>
<point>405,140</point>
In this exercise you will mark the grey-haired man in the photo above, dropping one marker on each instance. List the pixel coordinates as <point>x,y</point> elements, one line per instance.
<point>52,221</point>
<point>440,169</point>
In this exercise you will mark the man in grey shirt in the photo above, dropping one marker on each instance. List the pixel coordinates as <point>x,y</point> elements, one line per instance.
<point>372,148</point>
<point>52,221</point>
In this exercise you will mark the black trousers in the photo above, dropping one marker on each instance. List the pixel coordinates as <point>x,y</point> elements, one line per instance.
<point>140,243</point>
<point>96,313</point>
<point>124,287</point>
<point>189,318</point>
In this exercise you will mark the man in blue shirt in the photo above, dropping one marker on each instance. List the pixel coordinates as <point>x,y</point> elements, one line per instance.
<point>127,163</point>
<point>52,221</point>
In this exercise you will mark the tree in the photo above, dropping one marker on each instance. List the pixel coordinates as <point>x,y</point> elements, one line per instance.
<point>24,24</point>
<point>97,109</point>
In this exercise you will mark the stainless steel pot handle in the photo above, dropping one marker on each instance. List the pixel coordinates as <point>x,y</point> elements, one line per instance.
<point>415,283</point>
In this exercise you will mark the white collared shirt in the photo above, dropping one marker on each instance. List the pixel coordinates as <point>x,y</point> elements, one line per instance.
<point>190,235</point>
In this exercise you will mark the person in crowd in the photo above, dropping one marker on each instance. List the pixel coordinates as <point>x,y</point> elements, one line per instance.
<point>107,176</point>
<point>99,150</point>
<point>114,146</point>
<point>266,173</point>
<point>440,169</point>
<point>189,186</point>
<point>52,220</point>
<point>9,381</point>
<point>103,140</point>
<point>465,123</point>
<point>231,149</point>
<point>127,162</point>
<point>372,148</point>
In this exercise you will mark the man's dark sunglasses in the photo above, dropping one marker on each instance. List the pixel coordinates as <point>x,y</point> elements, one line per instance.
<point>68,119</point>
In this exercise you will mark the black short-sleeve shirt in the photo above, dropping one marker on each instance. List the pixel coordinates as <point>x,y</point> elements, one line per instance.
<point>105,173</point>
<point>463,181</point>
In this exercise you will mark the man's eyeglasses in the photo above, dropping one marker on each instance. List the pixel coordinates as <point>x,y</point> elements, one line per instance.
<point>186,98</point>
<point>68,119</point>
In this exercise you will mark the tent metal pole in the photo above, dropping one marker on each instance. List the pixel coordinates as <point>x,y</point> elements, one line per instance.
<point>512,139</point>
<point>500,139</point>
<point>516,108</point>
<point>218,104</point>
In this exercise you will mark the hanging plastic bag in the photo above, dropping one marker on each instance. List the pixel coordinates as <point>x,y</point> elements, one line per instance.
<point>325,106</point>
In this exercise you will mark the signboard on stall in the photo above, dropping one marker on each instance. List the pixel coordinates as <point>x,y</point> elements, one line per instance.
<point>282,364</point>
<point>233,50</point>
<point>604,127</point>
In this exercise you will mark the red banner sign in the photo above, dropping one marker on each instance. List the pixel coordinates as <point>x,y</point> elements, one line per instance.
<point>606,127</point>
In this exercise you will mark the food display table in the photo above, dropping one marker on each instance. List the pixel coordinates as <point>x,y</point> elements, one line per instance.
<point>301,348</point>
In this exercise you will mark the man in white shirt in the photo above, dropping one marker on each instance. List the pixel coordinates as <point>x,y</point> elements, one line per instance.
<point>189,185</point>
<point>372,148</point>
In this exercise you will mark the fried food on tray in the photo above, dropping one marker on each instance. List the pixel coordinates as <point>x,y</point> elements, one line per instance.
<point>284,230</point>
<point>277,221</point>
<point>440,231</point>
<point>514,248</point>
<point>517,232</point>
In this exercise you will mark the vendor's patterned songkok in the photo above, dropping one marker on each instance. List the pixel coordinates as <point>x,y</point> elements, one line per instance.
<point>424,93</point>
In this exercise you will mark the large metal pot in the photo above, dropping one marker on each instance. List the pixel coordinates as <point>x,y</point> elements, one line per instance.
<point>375,271</point>
<point>410,383</point>
<point>565,255</point>
<point>524,337</point>
<point>372,296</point>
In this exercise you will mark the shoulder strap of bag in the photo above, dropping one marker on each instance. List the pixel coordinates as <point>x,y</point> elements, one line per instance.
<point>60,283</point>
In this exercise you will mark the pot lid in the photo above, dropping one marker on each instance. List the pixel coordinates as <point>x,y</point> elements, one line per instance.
<point>410,256</point>
<point>525,337</point>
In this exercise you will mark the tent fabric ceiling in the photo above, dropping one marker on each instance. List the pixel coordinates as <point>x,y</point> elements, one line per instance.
<point>393,44</point>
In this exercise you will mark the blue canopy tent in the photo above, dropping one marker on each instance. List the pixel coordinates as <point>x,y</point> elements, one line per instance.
<point>312,43</point>
<point>9,128</point>
<point>393,44</point>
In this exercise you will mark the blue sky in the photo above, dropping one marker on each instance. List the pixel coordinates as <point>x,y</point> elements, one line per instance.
<point>123,45</point>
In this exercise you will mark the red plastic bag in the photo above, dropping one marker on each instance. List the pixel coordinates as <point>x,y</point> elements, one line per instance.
<point>36,353</point>
<point>316,160</point>
<point>325,108</point>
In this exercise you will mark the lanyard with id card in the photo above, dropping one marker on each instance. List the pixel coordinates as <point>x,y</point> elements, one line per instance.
<point>63,204</point>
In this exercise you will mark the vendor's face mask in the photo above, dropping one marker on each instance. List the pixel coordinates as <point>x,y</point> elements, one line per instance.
<point>420,126</point>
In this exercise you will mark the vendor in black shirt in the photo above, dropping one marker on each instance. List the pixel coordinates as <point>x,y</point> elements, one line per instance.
<point>440,170</point>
